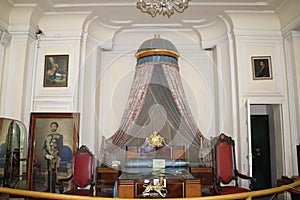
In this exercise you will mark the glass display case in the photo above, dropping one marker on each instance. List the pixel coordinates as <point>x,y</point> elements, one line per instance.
<point>13,153</point>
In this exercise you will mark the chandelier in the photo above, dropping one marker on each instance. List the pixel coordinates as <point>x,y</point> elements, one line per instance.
<point>162,7</point>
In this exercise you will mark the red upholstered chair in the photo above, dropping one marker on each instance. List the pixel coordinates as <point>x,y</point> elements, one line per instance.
<point>82,177</point>
<point>225,167</point>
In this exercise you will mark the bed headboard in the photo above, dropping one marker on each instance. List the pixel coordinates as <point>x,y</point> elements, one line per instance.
<point>155,147</point>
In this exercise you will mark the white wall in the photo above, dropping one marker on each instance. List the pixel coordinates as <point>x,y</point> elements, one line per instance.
<point>264,41</point>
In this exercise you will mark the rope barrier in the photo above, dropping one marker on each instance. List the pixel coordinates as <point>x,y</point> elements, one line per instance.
<point>245,195</point>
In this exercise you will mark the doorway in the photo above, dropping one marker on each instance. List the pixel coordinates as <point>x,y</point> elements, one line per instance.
<point>265,136</point>
<point>261,162</point>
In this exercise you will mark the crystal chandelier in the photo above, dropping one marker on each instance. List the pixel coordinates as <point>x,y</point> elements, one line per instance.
<point>162,7</point>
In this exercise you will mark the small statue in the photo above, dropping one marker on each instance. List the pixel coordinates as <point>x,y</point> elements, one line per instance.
<point>159,188</point>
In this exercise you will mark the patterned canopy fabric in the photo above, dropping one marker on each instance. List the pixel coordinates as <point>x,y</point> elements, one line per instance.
<point>157,103</point>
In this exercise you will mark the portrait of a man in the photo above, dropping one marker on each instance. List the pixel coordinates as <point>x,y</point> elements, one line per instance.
<point>53,145</point>
<point>261,67</point>
<point>53,140</point>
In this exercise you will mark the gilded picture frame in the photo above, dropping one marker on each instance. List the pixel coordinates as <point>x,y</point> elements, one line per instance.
<point>56,71</point>
<point>53,139</point>
<point>261,67</point>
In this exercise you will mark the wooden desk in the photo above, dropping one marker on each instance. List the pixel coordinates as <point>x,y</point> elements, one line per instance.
<point>131,186</point>
<point>176,188</point>
<point>205,174</point>
<point>106,178</point>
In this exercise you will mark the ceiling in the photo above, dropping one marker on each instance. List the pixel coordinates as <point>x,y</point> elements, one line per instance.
<point>123,13</point>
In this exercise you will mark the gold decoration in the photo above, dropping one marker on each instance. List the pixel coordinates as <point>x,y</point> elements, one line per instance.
<point>159,188</point>
<point>162,7</point>
<point>155,140</point>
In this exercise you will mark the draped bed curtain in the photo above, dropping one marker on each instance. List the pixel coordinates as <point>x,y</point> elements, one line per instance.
<point>136,99</point>
<point>157,88</point>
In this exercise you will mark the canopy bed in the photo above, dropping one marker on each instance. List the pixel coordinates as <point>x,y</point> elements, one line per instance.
<point>157,126</point>
<point>157,103</point>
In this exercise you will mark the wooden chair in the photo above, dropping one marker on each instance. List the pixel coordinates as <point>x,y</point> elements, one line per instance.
<point>225,167</point>
<point>83,162</point>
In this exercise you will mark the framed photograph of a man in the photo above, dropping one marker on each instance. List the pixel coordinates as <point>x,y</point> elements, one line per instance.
<point>53,138</point>
<point>56,71</point>
<point>261,67</point>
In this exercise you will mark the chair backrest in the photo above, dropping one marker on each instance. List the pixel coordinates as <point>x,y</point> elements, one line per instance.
<point>66,154</point>
<point>224,159</point>
<point>83,167</point>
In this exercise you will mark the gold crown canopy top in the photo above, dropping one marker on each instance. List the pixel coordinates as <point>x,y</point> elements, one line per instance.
<point>157,46</point>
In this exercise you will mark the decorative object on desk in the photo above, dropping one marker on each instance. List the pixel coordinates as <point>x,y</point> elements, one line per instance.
<point>159,164</point>
<point>115,163</point>
<point>159,187</point>
<point>201,155</point>
<point>201,152</point>
<point>56,71</point>
<point>162,7</point>
<point>52,138</point>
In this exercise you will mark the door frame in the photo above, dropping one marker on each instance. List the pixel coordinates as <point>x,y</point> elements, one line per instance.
<point>274,112</point>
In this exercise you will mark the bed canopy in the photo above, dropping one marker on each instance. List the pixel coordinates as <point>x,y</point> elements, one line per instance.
<point>156,103</point>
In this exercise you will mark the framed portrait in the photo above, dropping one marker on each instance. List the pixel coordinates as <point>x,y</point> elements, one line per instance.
<point>53,139</point>
<point>261,67</point>
<point>56,70</point>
